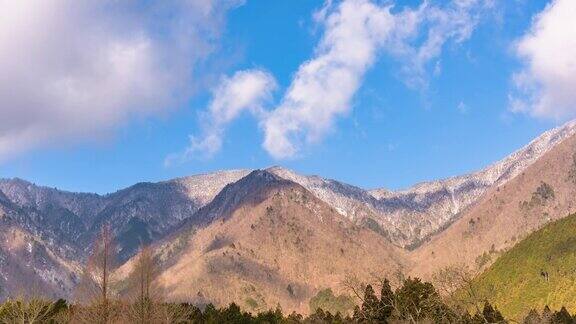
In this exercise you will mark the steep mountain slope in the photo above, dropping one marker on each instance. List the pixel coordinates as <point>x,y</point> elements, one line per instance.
<point>28,263</point>
<point>537,271</point>
<point>269,241</point>
<point>409,216</point>
<point>139,214</point>
<point>543,192</point>
<point>63,225</point>
<point>147,212</point>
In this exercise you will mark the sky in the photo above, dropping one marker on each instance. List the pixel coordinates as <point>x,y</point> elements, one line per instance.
<point>98,95</point>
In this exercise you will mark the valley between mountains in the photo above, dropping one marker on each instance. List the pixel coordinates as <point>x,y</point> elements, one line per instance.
<point>274,237</point>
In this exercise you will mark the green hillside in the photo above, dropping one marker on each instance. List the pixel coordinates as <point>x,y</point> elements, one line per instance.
<point>540,270</point>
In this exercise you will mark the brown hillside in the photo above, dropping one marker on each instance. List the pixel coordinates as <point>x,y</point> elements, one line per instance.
<point>280,248</point>
<point>543,192</point>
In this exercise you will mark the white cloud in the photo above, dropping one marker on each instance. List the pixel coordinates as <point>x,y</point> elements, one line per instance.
<point>355,34</point>
<point>73,69</point>
<point>420,38</point>
<point>244,91</point>
<point>323,87</point>
<point>546,86</point>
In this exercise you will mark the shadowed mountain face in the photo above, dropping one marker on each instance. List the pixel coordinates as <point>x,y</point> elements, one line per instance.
<point>65,224</point>
<point>138,214</point>
<point>276,212</point>
<point>29,262</point>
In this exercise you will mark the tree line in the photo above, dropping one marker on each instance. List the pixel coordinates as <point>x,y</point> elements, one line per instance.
<point>141,301</point>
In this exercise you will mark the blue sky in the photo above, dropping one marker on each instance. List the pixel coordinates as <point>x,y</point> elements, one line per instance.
<point>484,93</point>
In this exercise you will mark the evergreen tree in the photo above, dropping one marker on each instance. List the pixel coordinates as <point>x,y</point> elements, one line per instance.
<point>270,316</point>
<point>533,317</point>
<point>370,304</point>
<point>211,314</point>
<point>386,305</point>
<point>546,314</point>
<point>492,315</point>
<point>417,300</point>
<point>232,314</point>
<point>562,317</point>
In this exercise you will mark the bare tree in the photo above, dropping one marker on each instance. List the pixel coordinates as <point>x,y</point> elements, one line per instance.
<point>143,291</point>
<point>169,313</point>
<point>94,292</point>
<point>145,296</point>
<point>355,286</point>
<point>27,310</point>
<point>456,284</point>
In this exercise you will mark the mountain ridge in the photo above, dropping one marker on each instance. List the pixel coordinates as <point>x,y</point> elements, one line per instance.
<point>64,224</point>
<point>505,214</point>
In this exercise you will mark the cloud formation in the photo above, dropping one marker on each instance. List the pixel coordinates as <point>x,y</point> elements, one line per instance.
<point>71,69</point>
<point>323,87</point>
<point>420,36</point>
<point>246,90</point>
<point>355,34</point>
<point>546,86</point>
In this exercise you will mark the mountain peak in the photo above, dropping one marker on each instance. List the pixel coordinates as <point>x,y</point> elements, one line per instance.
<point>250,189</point>
<point>257,180</point>
<point>275,168</point>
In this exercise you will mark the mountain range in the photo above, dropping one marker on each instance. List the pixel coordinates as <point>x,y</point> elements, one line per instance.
<point>273,236</point>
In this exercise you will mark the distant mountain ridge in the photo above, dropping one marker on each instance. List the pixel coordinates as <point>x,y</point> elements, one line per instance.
<point>62,225</point>
<point>432,205</point>
<point>542,192</point>
<point>411,215</point>
<point>408,215</point>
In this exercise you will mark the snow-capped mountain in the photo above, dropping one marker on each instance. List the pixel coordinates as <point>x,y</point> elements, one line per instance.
<point>409,216</point>
<point>62,225</point>
<point>428,207</point>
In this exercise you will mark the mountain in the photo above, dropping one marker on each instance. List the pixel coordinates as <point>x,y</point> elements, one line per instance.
<point>30,263</point>
<point>549,172</point>
<point>63,224</point>
<point>269,241</point>
<point>139,214</point>
<point>428,207</point>
<point>410,216</point>
<point>505,214</point>
<point>537,271</point>
<point>226,229</point>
